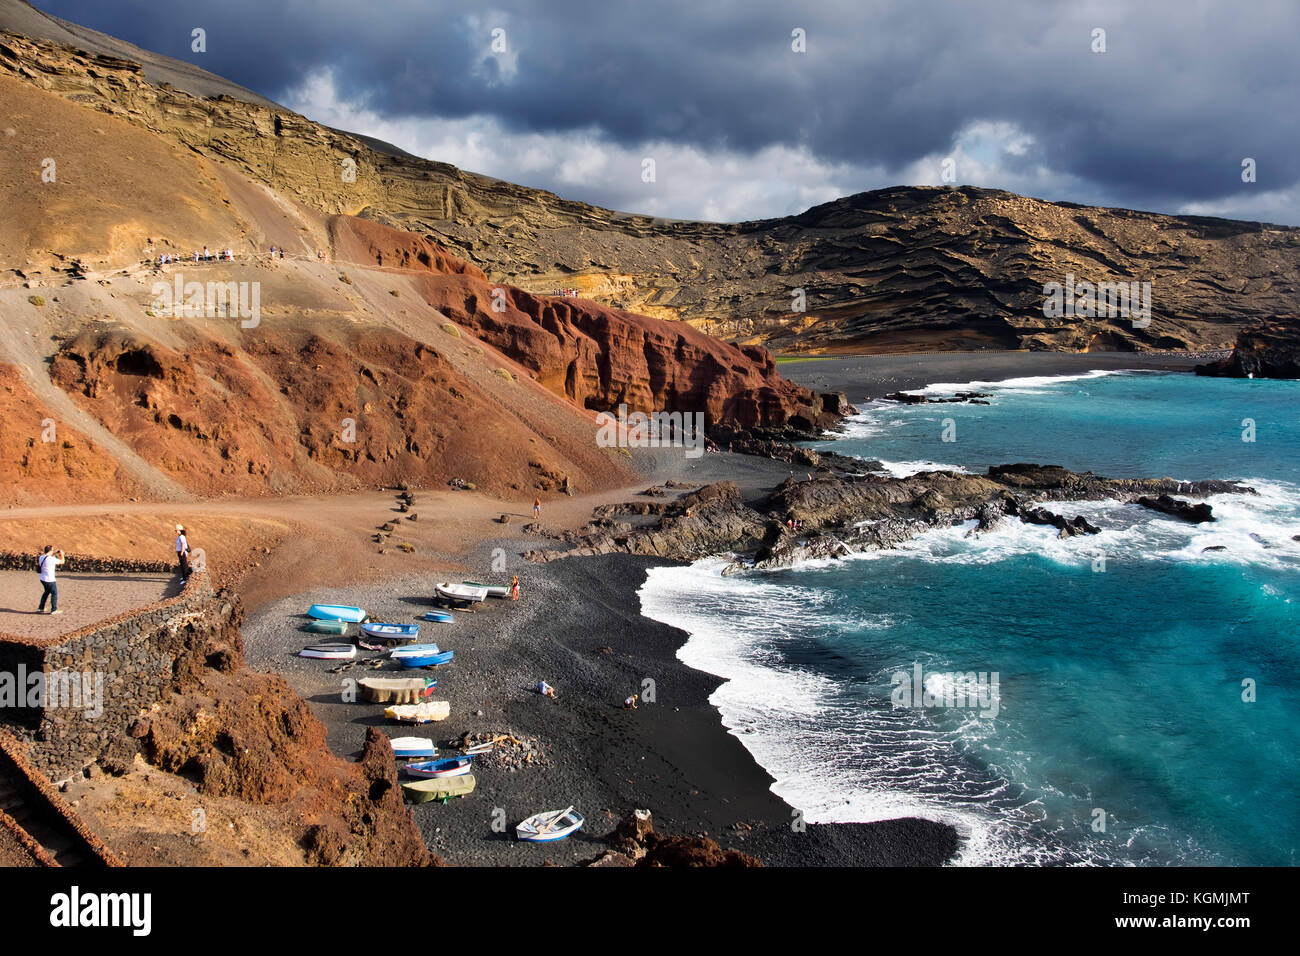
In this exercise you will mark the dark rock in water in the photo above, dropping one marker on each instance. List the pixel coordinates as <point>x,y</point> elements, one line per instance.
<point>1067,527</point>
<point>839,514</point>
<point>907,398</point>
<point>1215,547</point>
<point>1266,351</point>
<point>1177,508</point>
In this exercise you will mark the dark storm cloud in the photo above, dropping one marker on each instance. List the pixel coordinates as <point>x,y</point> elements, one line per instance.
<point>1161,120</point>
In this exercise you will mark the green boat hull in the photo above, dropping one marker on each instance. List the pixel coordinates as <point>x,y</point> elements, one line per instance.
<point>328,627</point>
<point>439,788</point>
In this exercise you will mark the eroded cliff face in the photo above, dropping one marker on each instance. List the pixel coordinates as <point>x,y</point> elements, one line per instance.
<point>318,407</point>
<point>1271,350</point>
<point>901,268</point>
<point>596,357</point>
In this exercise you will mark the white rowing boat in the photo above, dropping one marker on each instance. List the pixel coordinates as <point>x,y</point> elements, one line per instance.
<point>462,593</point>
<point>549,826</point>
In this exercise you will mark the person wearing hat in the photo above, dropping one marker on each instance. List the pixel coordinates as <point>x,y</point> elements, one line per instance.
<point>183,553</point>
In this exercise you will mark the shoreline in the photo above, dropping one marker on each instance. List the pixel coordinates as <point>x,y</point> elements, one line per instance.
<point>579,626</point>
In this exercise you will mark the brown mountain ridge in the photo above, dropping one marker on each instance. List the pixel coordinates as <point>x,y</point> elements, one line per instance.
<point>904,268</point>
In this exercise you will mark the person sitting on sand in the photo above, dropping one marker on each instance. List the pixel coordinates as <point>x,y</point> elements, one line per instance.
<point>545,689</point>
<point>630,702</point>
<point>183,553</point>
<point>46,563</point>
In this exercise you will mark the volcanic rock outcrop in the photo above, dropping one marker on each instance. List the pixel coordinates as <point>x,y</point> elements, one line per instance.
<point>596,357</point>
<point>1266,351</point>
<point>837,514</point>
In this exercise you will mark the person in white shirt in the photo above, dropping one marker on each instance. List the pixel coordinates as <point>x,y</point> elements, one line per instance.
<point>183,553</point>
<point>49,560</point>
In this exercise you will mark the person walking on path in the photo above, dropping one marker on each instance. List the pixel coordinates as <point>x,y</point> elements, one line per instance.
<point>183,553</point>
<point>537,508</point>
<point>47,563</point>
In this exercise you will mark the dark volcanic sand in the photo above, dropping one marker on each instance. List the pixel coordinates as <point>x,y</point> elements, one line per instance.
<point>872,376</point>
<point>672,757</point>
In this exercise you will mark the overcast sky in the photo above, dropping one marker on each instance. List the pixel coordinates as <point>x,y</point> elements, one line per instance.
<point>578,94</point>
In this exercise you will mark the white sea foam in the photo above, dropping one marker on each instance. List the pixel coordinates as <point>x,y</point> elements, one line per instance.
<point>1035,384</point>
<point>838,761</point>
<point>831,758</point>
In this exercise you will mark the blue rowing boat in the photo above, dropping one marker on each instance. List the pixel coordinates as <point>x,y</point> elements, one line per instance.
<point>391,631</point>
<point>427,660</point>
<point>442,617</point>
<point>432,769</point>
<point>337,612</point>
<point>414,650</point>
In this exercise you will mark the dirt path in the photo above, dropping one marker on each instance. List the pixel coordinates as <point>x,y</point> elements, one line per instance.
<point>272,547</point>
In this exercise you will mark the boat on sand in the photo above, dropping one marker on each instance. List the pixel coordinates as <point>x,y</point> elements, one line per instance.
<point>549,826</point>
<point>425,660</point>
<point>421,713</point>
<point>396,690</point>
<point>330,652</point>
<point>414,650</point>
<point>434,769</point>
<point>328,627</point>
<point>461,593</point>
<point>390,632</point>
<point>408,747</point>
<point>337,612</point>
<point>441,788</point>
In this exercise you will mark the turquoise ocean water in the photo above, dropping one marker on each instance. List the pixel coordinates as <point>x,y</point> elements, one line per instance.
<point>1120,657</point>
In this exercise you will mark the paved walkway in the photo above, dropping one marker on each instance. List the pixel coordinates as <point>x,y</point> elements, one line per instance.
<point>84,599</point>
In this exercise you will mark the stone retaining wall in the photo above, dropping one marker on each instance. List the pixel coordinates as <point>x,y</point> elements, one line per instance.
<point>98,679</point>
<point>26,561</point>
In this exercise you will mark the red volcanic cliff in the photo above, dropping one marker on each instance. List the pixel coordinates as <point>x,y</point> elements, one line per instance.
<point>596,357</point>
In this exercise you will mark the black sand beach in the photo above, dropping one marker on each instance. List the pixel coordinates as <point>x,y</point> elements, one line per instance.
<point>873,376</point>
<point>578,626</point>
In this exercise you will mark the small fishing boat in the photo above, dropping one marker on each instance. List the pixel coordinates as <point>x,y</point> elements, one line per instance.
<point>396,690</point>
<point>414,650</point>
<point>328,627</point>
<point>421,713</point>
<point>329,652</point>
<point>433,769</point>
<point>426,660</point>
<point>461,593</point>
<point>441,617</point>
<point>388,632</point>
<point>549,826</point>
<point>406,748</point>
<point>493,590</point>
<point>337,612</point>
<point>441,788</point>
